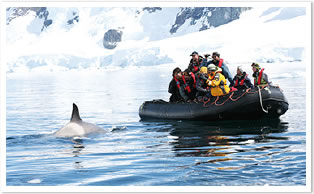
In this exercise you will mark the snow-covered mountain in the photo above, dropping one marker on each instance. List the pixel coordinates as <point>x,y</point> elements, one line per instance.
<point>207,17</point>
<point>197,18</point>
<point>58,39</point>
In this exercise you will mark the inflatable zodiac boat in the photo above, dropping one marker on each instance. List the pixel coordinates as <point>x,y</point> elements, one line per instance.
<point>255,103</point>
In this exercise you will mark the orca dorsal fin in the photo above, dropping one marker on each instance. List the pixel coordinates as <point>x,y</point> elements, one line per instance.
<point>75,114</point>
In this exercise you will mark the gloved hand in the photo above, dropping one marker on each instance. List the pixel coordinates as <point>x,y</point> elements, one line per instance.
<point>233,89</point>
<point>208,82</point>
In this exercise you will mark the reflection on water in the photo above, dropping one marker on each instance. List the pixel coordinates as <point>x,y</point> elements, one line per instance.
<point>192,136</point>
<point>77,149</point>
<point>225,140</point>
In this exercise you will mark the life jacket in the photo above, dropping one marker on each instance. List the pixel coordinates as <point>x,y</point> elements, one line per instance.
<point>194,80</point>
<point>177,82</point>
<point>259,80</point>
<point>241,82</point>
<point>197,64</point>
<point>219,86</point>
<point>187,87</point>
<point>220,62</point>
<point>214,74</point>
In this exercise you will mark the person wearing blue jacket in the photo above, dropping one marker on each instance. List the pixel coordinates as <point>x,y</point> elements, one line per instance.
<point>219,62</point>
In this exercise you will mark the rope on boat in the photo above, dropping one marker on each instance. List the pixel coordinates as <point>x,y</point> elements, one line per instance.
<point>260,99</point>
<point>205,102</point>
<point>224,101</point>
<point>247,91</point>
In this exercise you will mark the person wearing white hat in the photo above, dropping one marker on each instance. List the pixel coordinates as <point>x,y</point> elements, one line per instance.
<point>217,81</point>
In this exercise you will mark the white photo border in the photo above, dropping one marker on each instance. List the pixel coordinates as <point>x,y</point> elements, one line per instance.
<point>143,3</point>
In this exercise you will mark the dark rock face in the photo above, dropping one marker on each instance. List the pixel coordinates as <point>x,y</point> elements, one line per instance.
<point>111,38</point>
<point>74,19</point>
<point>47,23</point>
<point>41,13</point>
<point>210,16</point>
<point>152,9</point>
<point>21,11</point>
<point>71,21</point>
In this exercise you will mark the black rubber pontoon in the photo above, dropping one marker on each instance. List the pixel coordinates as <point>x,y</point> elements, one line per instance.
<point>256,103</point>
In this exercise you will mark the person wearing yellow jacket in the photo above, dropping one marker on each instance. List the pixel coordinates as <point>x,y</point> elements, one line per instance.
<point>217,81</point>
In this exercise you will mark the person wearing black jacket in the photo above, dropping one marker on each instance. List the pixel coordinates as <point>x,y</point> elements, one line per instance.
<point>202,89</point>
<point>182,86</point>
<point>241,80</point>
<point>195,63</point>
<point>173,86</point>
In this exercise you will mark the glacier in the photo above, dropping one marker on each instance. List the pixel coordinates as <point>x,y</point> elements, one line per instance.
<point>261,34</point>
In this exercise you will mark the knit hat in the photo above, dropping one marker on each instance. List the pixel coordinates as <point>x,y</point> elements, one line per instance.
<point>256,65</point>
<point>203,69</point>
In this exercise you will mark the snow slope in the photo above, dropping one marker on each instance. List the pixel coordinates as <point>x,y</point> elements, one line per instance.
<point>260,35</point>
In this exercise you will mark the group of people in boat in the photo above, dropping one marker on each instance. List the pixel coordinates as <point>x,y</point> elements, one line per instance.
<point>207,76</point>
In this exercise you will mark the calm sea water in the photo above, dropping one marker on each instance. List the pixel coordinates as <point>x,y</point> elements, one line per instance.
<point>134,152</point>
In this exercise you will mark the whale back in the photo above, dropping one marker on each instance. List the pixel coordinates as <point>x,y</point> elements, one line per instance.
<point>75,114</point>
<point>77,127</point>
